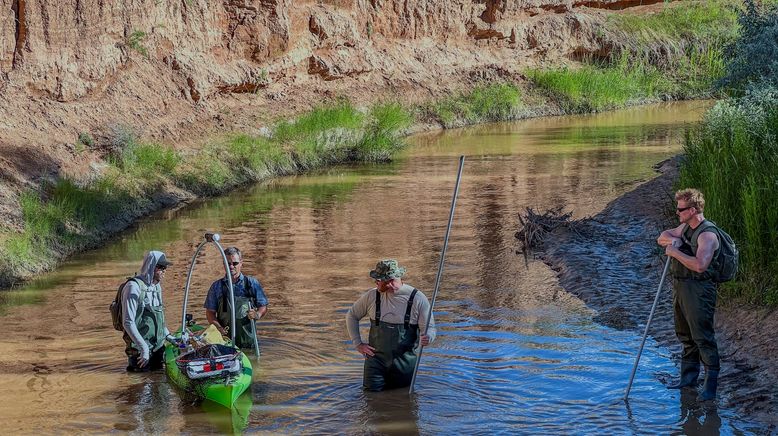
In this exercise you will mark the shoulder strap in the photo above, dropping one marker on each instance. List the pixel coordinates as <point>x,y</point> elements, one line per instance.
<point>377,307</point>
<point>142,288</point>
<point>705,225</point>
<point>408,309</point>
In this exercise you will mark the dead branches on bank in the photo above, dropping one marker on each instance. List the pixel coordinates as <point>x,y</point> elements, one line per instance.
<point>535,227</point>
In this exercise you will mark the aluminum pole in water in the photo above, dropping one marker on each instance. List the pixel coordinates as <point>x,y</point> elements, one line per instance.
<point>254,332</point>
<point>645,334</point>
<point>440,267</point>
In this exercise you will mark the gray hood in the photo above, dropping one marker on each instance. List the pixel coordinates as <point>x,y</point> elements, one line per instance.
<point>149,264</point>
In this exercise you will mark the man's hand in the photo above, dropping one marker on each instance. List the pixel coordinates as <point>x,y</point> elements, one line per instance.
<point>670,241</point>
<point>254,314</point>
<point>366,350</point>
<point>143,360</point>
<point>425,340</point>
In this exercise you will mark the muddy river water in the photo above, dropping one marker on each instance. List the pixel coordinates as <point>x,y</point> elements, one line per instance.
<point>515,353</point>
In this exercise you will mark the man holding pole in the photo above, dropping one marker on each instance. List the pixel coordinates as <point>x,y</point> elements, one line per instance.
<point>692,246</point>
<point>398,316</point>
<point>250,302</point>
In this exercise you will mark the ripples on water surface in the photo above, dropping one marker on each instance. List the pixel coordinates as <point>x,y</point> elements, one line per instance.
<point>515,353</point>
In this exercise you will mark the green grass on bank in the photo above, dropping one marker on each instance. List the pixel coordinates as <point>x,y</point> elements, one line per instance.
<point>592,88</point>
<point>677,53</point>
<point>62,217</point>
<point>733,159</point>
<point>484,103</point>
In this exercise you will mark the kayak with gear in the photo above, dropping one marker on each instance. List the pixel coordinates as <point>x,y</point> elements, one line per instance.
<point>199,360</point>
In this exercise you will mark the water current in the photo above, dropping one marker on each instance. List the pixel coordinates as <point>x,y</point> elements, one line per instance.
<point>515,353</point>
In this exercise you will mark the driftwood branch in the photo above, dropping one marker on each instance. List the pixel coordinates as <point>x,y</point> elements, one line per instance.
<point>535,226</point>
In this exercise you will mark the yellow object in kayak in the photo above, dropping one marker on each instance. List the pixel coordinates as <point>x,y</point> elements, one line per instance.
<point>211,335</point>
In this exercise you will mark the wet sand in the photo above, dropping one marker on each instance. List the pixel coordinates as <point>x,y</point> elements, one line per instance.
<point>612,262</point>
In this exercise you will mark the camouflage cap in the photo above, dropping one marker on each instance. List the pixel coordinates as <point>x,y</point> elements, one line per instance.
<point>387,269</point>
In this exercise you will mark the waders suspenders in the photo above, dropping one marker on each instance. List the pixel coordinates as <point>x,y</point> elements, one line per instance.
<point>407,320</point>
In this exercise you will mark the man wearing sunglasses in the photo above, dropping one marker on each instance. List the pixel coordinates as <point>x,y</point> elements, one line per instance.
<point>398,317</point>
<point>692,246</point>
<point>250,301</point>
<point>143,315</point>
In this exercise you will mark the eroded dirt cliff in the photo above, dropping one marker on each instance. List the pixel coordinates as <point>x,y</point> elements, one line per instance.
<point>181,70</point>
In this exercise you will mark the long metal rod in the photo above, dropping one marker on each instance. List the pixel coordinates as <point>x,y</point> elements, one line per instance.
<point>186,287</point>
<point>645,333</point>
<point>254,332</point>
<point>440,268</point>
<point>229,283</point>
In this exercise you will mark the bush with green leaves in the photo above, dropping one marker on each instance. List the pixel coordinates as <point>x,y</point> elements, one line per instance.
<point>755,53</point>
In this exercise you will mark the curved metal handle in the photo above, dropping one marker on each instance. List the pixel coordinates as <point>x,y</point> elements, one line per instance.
<point>214,238</point>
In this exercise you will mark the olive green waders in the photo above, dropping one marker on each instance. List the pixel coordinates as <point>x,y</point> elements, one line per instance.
<point>150,322</point>
<point>394,359</point>
<point>694,305</point>
<point>244,338</point>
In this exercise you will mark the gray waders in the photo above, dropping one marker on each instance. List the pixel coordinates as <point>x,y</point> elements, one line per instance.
<point>151,325</point>
<point>394,359</point>
<point>243,335</point>
<point>694,305</point>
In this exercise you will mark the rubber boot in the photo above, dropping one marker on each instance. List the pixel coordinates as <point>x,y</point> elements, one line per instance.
<point>689,373</point>
<point>710,385</point>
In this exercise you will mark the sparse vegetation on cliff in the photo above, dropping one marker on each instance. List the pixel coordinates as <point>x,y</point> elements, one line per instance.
<point>677,53</point>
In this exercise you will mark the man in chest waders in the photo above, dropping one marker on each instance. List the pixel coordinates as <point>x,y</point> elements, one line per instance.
<point>398,314</point>
<point>144,315</point>
<point>250,301</point>
<point>692,246</point>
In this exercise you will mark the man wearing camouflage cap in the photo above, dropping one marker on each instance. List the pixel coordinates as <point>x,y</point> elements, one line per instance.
<point>398,316</point>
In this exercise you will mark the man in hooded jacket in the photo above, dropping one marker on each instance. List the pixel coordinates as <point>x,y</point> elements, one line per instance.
<point>144,316</point>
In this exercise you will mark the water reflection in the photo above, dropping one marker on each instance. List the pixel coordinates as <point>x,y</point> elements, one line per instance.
<point>698,418</point>
<point>514,353</point>
<point>392,412</point>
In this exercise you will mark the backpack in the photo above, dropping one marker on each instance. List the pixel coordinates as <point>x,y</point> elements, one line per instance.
<point>116,305</point>
<point>725,262</point>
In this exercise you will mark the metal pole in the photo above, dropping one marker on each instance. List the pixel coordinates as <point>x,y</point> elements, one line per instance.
<point>648,323</point>
<point>440,268</point>
<point>254,332</point>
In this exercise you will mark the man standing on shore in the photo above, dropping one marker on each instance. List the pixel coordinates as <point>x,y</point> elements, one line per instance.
<point>692,245</point>
<point>398,314</point>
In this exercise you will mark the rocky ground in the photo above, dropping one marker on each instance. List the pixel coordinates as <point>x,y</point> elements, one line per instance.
<point>612,262</point>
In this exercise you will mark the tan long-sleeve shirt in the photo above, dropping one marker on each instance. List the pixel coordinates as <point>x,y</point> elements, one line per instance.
<point>393,306</point>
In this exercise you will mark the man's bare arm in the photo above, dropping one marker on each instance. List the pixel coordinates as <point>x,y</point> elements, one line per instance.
<point>707,244</point>
<point>668,236</point>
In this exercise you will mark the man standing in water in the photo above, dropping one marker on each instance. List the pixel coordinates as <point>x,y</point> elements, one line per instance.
<point>250,301</point>
<point>692,246</point>
<point>398,314</point>
<point>143,315</point>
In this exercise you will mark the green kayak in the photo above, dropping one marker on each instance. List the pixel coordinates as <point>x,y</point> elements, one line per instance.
<point>206,367</point>
<point>219,373</point>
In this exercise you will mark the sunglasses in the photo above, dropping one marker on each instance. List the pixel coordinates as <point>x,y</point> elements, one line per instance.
<point>683,209</point>
<point>234,263</point>
<point>161,268</point>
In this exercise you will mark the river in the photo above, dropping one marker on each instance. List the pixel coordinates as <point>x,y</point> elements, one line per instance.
<point>515,353</point>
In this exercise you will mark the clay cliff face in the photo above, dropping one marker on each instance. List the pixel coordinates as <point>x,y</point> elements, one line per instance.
<point>176,70</point>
